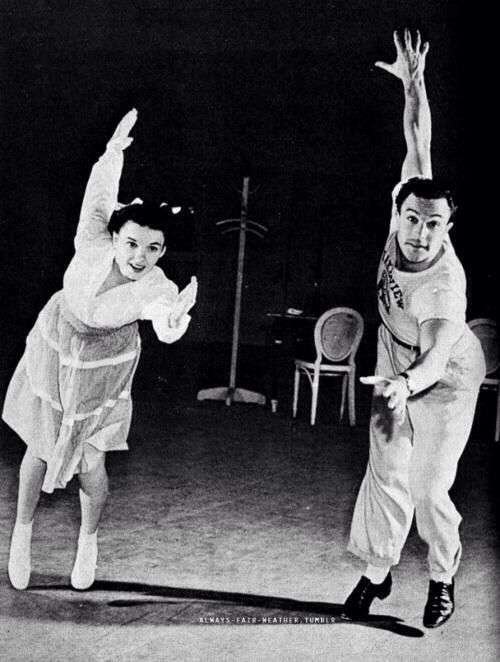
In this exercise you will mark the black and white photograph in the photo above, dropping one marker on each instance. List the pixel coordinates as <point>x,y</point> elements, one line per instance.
<point>249,357</point>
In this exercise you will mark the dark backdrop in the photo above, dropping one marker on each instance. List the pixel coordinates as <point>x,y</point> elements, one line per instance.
<point>285,91</point>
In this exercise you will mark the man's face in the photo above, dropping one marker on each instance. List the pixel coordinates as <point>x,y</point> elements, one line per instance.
<point>423,226</point>
<point>137,249</point>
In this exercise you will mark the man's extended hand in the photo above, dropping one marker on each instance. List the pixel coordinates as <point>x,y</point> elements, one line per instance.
<point>410,60</point>
<point>395,390</point>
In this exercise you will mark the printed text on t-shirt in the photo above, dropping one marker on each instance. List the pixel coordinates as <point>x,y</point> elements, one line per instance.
<point>388,284</point>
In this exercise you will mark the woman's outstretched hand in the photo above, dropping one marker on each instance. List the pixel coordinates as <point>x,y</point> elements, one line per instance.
<point>120,139</point>
<point>184,303</point>
<point>410,60</point>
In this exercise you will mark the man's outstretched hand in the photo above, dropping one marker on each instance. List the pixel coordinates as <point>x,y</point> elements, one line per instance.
<point>410,60</point>
<point>395,390</point>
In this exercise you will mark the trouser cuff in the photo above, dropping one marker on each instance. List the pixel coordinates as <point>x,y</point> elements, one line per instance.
<point>372,559</point>
<point>445,577</point>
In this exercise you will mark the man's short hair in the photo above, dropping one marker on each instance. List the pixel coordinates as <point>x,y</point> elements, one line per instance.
<point>429,189</point>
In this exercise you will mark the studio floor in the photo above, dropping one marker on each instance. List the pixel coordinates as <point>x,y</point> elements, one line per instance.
<point>224,539</point>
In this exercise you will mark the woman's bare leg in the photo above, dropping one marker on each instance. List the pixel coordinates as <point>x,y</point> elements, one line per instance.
<point>93,496</point>
<point>31,475</point>
<point>94,488</point>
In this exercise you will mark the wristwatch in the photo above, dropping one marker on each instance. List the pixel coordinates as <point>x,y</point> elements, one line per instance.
<point>407,379</point>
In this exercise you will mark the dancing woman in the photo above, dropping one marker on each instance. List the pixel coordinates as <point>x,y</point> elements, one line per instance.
<point>69,398</point>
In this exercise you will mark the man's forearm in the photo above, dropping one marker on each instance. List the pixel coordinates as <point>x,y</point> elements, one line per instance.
<point>417,126</point>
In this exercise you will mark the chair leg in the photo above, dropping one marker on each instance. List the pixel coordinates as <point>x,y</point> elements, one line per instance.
<point>352,396</point>
<point>344,391</point>
<point>314,398</point>
<point>296,386</point>
<point>497,425</point>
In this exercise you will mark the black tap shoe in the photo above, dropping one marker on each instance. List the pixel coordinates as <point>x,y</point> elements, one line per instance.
<point>440,604</point>
<point>357,605</point>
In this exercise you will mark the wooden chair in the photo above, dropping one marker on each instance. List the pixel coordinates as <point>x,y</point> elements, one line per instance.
<point>337,335</point>
<point>487,332</point>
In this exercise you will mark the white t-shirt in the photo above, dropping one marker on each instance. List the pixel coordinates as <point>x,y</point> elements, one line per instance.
<point>407,299</point>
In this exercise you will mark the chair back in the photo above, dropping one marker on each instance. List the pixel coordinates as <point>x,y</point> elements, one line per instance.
<point>337,334</point>
<point>487,332</point>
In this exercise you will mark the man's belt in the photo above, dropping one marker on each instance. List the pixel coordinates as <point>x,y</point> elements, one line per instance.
<point>414,348</point>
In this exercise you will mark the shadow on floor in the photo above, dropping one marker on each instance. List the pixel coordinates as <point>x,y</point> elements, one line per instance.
<point>266,607</point>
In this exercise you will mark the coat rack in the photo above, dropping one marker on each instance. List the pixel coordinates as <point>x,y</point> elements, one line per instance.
<point>243,225</point>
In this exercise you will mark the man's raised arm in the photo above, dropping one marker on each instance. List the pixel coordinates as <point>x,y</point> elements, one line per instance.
<point>409,68</point>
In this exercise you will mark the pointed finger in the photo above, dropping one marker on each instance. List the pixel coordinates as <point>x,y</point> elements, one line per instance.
<point>425,50</point>
<point>373,379</point>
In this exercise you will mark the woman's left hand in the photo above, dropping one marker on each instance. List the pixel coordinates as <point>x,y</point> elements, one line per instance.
<point>184,303</point>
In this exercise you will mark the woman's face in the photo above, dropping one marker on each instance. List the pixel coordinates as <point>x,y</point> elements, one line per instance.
<point>137,249</point>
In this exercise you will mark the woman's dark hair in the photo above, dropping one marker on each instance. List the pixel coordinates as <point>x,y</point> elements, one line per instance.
<point>429,189</point>
<point>145,214</point>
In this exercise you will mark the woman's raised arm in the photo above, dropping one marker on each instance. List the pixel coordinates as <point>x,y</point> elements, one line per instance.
<point>101,193</point>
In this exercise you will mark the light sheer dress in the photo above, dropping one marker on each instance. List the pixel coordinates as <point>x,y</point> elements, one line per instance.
<point>70,396</point>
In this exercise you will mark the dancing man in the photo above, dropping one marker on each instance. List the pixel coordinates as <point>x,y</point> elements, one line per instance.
<point>429,370</point>
<point>69,398</point>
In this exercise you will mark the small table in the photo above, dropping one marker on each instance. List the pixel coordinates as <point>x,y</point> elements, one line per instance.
<point>286,333</point>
